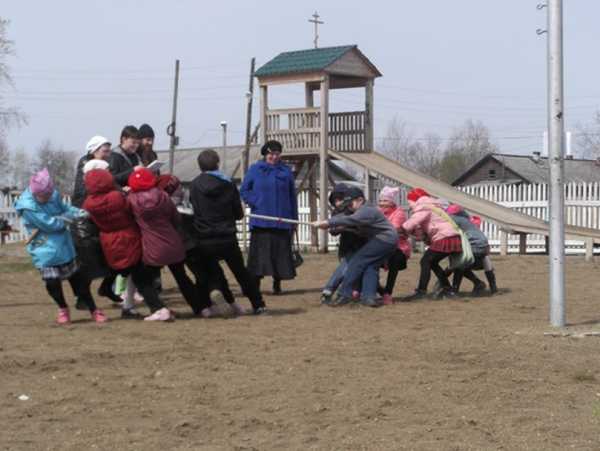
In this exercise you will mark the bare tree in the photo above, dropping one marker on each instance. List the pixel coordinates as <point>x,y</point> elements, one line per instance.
<point>467,145</point>
<point>60,165</point>
<point>588,138</point>
<point>5,163</point>
<point>9,116</point>
<point>21,168</point>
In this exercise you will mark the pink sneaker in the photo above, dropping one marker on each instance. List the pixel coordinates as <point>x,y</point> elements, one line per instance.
<point>63,317</point>
<point>99,316</point>
<point>387,299</point>
<point>138,298</point>
<point>355,294</point>
<point>164,314</point>
<point>206,312</point>
<point>238,309</point>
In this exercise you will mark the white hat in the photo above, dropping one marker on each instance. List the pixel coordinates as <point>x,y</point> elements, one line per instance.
<point>95,164</point>
<point>95,143</point>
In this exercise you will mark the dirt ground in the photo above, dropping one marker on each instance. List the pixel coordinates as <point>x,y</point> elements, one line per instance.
<point>465,374</point>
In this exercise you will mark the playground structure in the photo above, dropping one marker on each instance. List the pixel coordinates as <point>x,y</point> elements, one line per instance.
<point>348,137</point>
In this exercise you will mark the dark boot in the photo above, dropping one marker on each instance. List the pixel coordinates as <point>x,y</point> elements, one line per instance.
<point>416,296</point>
<point>456,281</point>
<point>491,278</point>
<point>277,286</point>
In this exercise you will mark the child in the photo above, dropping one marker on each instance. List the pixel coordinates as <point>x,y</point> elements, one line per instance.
<point>121,241</point>
<point>429,219</point>
<point>381,242</point>
<point>349,242</point>
<point>217,206</point>
<point>388,204</point>
<point>481,250</point>
<point>157,218</point>
<point>51,246</point>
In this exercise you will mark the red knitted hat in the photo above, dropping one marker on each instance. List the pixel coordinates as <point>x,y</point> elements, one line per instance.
<point>141,180</point>
<point>415,194</point>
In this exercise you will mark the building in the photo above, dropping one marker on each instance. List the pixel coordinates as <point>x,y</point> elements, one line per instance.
<point>525,169</point>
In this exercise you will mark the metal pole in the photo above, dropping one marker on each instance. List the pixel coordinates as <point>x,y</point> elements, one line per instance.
<point>555,158</point>
<point>249,96</point>
<point>173,126</point>
<point>224,164</point>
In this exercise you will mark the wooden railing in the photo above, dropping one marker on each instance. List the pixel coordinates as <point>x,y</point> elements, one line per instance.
<point>299,130</point>
<point>347,131</point>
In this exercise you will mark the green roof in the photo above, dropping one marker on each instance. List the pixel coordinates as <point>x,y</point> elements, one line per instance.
<point>310,60</point>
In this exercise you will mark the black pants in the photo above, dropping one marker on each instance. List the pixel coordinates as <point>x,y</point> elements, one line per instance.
<point>142,278</point>
<point>396,263</point>
<point>431,262</point>
<point>79,285</point>
<point>185,284</point>
<point>206,254</point>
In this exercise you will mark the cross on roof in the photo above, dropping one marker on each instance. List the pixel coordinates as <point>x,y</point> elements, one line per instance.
<point>316,21</point>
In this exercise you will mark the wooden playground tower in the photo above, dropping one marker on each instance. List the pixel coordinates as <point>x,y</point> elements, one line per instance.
<point>308,133</point>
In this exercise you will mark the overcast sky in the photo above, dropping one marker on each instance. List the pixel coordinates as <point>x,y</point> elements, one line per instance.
<point>90,67</point>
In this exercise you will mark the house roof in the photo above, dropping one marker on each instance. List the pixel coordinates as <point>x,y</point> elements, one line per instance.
<point>310,60</point>
<point>536,172</point>
<point>186,166</point>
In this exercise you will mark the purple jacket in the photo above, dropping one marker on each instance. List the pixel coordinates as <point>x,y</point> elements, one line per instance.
<point>157,218</point>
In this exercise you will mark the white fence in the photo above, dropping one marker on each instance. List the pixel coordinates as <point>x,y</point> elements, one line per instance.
<point>582,208</point>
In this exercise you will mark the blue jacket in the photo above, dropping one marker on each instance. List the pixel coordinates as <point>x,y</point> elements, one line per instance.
<point>53,245</point>
<point>270,190</point>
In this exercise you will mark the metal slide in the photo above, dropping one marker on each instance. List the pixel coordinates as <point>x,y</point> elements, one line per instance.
<point>509,220</point>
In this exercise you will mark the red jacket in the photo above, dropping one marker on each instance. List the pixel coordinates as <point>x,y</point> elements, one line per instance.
<point>397,217</point>
<point>157,217</point>
<point>119,234</point>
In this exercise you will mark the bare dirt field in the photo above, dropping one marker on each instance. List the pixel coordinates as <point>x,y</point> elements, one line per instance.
<point>466,374</point>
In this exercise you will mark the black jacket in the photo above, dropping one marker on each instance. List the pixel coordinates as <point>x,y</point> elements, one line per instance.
<point>217,206</point>
<point>78,195</point>
<point>121,165</point>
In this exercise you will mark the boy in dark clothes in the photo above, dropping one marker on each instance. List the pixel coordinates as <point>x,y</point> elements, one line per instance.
<point>349,242</point>
<point>381,243</point>
<point>124,159</point>
<point>217,206</point>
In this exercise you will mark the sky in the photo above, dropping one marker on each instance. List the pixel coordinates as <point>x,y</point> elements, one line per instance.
<point>91,67</point>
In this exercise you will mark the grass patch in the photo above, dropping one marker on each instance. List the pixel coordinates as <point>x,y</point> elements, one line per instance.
<point>15,267</point>
<point>596,410</point>
<point>584,376</point>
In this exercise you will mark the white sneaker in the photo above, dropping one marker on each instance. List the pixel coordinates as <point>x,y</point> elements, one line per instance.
<point>164,314</point>
<point>220,306</point>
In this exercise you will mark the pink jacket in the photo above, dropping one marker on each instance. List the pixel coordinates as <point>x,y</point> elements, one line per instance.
<point>397,217</point>
<point>424,220</point>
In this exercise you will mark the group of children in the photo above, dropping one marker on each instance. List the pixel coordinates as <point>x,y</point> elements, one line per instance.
<point>372,238</point>
<point>138,230</point>
<point>124,220</point>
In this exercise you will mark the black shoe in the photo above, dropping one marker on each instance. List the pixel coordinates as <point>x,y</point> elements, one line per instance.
<point>478,289</point>
<point>108,293</point>
<point>416,296</point>
<point>326,299</point>
<point>259,310</point>
<point>131,313</point>
<point>80,305</point>
<point>445,293</point>
<point>491,278</point>
<point>277,287</point>
<point>370,303</point>
<point>340,301</point>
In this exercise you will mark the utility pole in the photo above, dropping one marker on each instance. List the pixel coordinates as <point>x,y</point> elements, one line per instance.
<point>317,22</point>
<point>224,128</point>
<point>556,133</point>
<point>249,96</point>
<point>172,128</point>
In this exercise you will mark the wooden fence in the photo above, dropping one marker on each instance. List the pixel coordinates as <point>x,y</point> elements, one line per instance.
<point>582,208</point>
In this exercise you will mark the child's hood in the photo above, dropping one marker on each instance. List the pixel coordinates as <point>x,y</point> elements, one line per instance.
<point>426,202</point>
<point>149,201</point>
<point>99,181</point>
<point>26,201</point>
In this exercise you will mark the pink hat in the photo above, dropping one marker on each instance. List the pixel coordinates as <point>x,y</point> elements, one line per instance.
<point>454,209</point>
<point>390,194</point>
<point>41,182</point>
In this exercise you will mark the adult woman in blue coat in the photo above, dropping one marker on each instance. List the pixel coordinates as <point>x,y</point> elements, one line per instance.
<point>45,217</point>
<point>269,189</point>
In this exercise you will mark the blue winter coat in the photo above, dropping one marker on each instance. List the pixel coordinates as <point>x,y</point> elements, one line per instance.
<point>270,190</point>
<point>53,245</point>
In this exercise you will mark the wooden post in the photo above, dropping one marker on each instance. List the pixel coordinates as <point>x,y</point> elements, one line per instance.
<point>312,203</point>
<point>367,176</point>
<point>589,249</point>
<point>522,243</point>
<point>503,243</point>
<point>172,129</point>
<point>250,94</point>
<point>309,101</point>
<point>323,164</point>
<point>369,136</point>
<point>546,245</point>
<point>264,106</point>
